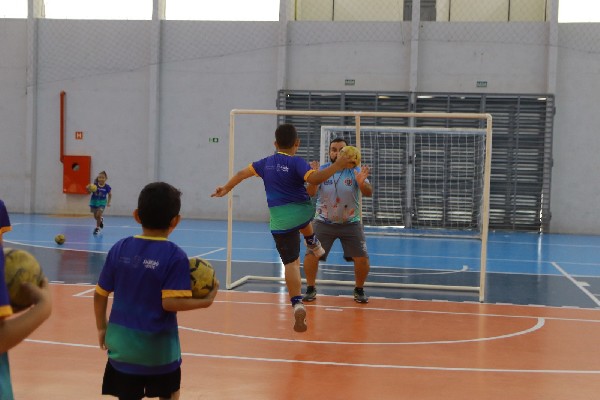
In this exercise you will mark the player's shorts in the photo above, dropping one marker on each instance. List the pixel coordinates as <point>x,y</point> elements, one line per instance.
<point>351,236</point>
<point>93,209</point>
<point>128,386</point>
<point>288,246</point>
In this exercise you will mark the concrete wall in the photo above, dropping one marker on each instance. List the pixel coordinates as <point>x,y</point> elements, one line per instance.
<point>108,71</point>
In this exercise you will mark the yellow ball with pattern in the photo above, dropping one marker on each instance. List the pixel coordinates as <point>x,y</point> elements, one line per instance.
<point>352,153</point>
<point>203,277</point>
<point>20,267</point>
<point>60,239</point>
<point>91,188</point>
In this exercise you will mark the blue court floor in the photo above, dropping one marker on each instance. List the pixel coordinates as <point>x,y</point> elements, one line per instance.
<point>522,268</point>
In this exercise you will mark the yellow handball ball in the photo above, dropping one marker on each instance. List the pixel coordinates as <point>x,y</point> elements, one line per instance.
<point>20,267</point>
<point>60,239</point>
<point>91,188</point>
<point>352,153</point>
<point>202,275</point>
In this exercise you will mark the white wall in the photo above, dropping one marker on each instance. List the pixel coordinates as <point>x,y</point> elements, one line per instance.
<point>575,177</point>
<point>13,110</point>
<point>209,68</point>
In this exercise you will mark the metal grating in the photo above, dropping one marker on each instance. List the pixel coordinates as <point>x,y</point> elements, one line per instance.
<point>521,155</point>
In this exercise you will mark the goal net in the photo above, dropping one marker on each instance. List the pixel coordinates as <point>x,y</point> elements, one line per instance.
<point>430,179</point>
<point>427,181</point>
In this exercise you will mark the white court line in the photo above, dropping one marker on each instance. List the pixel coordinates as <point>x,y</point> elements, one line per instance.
<point>538,325</point>
<point>342,364</point>
<point>339,308</point>
<point>576,283</point>
<point>56,248</point>
<point>85,292</point>
<point>398,274</point>
<point>210,252</point>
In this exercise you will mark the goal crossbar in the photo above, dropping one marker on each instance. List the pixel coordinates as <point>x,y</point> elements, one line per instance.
<point>357,115</point>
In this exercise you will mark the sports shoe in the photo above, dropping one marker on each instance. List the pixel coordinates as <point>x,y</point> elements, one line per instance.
<point>311,294</point>
<point>360,296</point>
<point>300,317</point>
<point>316,249</point>
<point>96,231</point>
<point>101,222</point>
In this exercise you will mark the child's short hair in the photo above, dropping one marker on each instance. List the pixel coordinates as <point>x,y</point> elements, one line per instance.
<point>286,136</point>
<point>158,204</point>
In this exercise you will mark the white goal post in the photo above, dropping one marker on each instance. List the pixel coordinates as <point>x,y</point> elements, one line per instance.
<point>485,132</point>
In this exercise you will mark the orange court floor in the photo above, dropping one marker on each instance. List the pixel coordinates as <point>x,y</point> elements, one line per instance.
<point>244,347</point>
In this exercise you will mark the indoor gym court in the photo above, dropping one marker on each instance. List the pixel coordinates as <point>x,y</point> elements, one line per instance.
<point>533,337</point>
<point>148,96</point>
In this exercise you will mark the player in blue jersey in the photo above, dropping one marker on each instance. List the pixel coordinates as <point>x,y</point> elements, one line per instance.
<point>150,279</point>
<point>338,217</point>
<point>100,200</point>
<point>14,330</point>
<point>290,208</point>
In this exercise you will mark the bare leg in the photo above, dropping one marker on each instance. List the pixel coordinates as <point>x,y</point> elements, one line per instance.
<point>98,217</point>
<point>307,230</point>
<point>361,270</point>
<point>293,279</point>
<point>311,266</point>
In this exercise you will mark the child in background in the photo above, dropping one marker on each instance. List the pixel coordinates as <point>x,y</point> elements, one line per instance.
<point>290,208</point>
<point>14,330</point>
<point>150,278</point>
<point>100,200</point>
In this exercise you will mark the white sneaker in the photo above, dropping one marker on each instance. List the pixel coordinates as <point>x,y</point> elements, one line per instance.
<point>300,318</point>
<point>316,249</point>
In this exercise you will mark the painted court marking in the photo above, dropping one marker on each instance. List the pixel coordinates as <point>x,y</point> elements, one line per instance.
<point>342,364</point>
<point>538,325</point>
<point>576,283</point>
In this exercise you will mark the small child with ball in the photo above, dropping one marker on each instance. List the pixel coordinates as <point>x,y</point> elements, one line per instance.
<point>150,278</point>
<point>100,199</point>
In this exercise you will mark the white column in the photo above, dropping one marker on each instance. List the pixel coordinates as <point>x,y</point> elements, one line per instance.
<point>35,10</point>
<point>285,15</point>
<point>552,67</point>
<point>154,71</point>
<point>414,45</point>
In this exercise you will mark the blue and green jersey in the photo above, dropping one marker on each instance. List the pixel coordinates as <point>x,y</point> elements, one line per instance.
<point>289,204</point>
<point>100,196</point>
<point>142,337</point>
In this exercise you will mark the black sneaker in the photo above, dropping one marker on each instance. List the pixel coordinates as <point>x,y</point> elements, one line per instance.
<point>101,222</point>
<point>360,296</point>
<point>96,231</point>
<point>311,295</point>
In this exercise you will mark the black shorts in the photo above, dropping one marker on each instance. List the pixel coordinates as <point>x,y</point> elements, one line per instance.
<point>135,387</point>
<point>288,246</point>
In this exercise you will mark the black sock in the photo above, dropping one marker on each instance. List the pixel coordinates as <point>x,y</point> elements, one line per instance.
<point>296,299</point>
<point>310,240</point>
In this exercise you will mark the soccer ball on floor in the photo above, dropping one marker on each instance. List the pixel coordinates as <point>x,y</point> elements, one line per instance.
<point>60,239</point>
<point>20,267</point>
<point>203,277</point>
